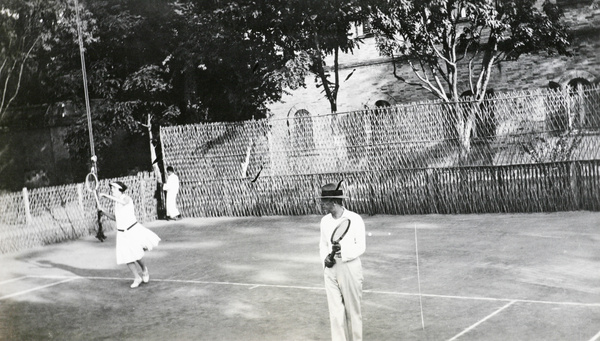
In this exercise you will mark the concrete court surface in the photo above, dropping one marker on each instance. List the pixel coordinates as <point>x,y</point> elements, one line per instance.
<point>479,277</point>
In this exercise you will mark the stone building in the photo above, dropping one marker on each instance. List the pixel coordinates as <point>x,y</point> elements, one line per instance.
<point>372,77</point>
<point>369,82</point>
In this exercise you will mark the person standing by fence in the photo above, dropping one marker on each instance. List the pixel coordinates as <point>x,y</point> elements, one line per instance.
<point>343,271</point>
<point>133,239</point>
<point>172,189</point>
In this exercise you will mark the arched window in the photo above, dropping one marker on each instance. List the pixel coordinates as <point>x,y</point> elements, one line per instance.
<point>553,86</point>
<point>378,123</point>
<point>302,132</point>
<point>382,103</point>
<point>557,121</point>
<point>580,106</point>
<point>579,83</point>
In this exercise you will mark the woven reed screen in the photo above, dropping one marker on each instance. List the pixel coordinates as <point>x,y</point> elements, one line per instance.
<point>513,128</point>
<point>550,187</point>
<point>529,152</point>
<point>414,151</point>
<point>49,215</point>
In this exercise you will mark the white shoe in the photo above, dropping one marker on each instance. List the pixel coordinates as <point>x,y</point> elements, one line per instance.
<point>146,276</point>
<point>136,282</point>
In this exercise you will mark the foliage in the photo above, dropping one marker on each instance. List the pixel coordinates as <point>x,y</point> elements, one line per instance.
<point>25,28</point>
<point>125,75</point>
<point>246,53</point>
<point>321,28</point>
<point>444,39</point>
<point>441,38</point>
<point>232,59</point>
<point>151,63</point>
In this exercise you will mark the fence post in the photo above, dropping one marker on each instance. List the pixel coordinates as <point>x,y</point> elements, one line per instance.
<point>26,203</point>
<point>429,178</point>
<point>80,196</point>
<point>574,182</point>
<point>143,197</point>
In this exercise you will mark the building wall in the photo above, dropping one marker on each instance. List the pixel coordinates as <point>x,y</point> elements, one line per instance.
<point>372,76</point>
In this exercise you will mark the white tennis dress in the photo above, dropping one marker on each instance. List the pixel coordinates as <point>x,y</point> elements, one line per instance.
<point>132,237</point>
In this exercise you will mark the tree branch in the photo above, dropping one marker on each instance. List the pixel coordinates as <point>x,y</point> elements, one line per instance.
<point>5,90</point>
<point>4,108</point>
<point>428,85</point>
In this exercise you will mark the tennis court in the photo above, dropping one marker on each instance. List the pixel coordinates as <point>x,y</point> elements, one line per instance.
<point>482,277</point>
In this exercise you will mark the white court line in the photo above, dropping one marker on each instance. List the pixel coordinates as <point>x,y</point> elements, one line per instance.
<point>38,288</point>
<point>596,337</point>
<point>251,285</point>
<point>481,321</point>
<point>475,298</point>
<point>13,279</point>
<point>256,285</point>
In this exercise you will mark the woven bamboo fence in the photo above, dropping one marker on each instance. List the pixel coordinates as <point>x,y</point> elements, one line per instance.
<point>535,151</point>
<point>513,128</point>
<point>49,215</point>
<point>528,152</point>
<point>549,187</point>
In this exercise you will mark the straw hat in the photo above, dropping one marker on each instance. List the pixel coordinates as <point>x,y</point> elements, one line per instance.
<point>332,191</point>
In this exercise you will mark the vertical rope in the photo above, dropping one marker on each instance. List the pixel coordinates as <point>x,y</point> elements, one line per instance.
<point>94,169</point>
<point>85,87</point>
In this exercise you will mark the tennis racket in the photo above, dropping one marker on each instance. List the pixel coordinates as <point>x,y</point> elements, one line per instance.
<point>337,235</point>
<point>91,184</point>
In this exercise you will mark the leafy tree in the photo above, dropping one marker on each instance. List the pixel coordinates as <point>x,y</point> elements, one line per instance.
<point>24,28</point>
<point>442,40</point>
<point>243,54</point>
<point>232,58</point>
<point>159,62</point>
<point>128,84</point>
<point>321,28</point>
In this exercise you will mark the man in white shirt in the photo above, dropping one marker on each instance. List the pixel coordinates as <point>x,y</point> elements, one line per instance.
<point>343,276</point>
<point>172,189</point>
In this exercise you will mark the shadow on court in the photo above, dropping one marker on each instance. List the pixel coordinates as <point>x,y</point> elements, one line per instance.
<point>482,277</point>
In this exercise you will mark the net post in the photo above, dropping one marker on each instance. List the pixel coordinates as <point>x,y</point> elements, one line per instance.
<point>419,279</point>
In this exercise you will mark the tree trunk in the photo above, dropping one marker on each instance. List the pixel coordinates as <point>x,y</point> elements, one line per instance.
<point>465,122</point>
<point>159,194</point>
<point>153,157</point>
<point>190,96</point>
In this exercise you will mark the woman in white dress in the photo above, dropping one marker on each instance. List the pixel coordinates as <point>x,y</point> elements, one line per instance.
<point>133,239</point>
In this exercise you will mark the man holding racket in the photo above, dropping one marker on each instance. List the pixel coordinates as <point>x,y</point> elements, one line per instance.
<point>342,243</point>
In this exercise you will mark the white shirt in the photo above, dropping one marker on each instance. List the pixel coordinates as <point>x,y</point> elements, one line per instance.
<point>172,183</point>
<point>354,242</point>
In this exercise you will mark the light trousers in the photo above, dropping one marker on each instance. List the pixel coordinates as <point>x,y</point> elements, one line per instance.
<point>172,210</point>
<point>343,285</point>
